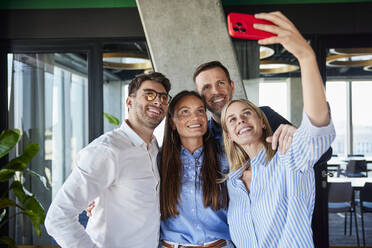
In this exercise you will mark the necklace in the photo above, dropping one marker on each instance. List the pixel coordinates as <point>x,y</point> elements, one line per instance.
<point>197,160</point>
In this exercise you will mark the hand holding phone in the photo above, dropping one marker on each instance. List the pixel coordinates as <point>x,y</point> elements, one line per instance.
<point>241,26</point>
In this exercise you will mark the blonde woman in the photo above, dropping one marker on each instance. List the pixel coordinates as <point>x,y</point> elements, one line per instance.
<point>272,194</point>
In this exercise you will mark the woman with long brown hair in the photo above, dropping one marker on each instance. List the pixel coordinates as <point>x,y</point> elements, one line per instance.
<point>192,202</point>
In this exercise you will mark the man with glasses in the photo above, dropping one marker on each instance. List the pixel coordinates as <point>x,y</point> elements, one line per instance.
<point>119,171</point>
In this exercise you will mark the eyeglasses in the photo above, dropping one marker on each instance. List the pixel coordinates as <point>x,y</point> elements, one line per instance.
<point>151,95</point>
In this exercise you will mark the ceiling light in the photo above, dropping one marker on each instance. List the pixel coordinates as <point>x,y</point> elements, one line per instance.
<point>126,61</point>
<point>351,51</point>
<point>266,52</point>
<point>349,60</point>
<point>275,66</point>
<point>367,68</point>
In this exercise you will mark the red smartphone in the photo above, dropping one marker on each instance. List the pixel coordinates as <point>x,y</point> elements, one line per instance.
<point>241,26</point>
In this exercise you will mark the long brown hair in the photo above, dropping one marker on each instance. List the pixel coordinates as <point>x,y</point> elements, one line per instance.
<point>235,153</point>
<point>171,169</point>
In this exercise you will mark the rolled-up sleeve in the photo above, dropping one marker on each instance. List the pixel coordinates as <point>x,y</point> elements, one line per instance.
<point>93,173</point>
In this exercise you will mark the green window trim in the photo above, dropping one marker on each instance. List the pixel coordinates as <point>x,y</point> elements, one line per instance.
<point>73,4</point>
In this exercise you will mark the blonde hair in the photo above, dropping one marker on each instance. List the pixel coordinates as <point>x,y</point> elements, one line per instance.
<point>235,153</point>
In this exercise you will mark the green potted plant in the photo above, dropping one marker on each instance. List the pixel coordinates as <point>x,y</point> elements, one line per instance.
<point>12,172</point>
<point>112,119</point>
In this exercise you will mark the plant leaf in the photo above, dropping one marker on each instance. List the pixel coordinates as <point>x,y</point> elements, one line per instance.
<point>6,174</point>
<point>8,139</point>
<point>5,202</point>
<point>112,119</point>
<point>35,206</point>
<point>32,207</point>
<point>8,241</point>
<point>41,178</point>
<point>22,161</point>
<point>19,192</point>
<point>35,220</point>
<point>2,214</point>
<point>27,199</point>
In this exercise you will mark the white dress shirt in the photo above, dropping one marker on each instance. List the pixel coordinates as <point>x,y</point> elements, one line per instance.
<point>119,172</point>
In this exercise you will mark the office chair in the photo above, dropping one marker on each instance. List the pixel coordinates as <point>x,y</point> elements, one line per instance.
<point>341,200</point>
<point>365,205</point>
<point>354,168</point>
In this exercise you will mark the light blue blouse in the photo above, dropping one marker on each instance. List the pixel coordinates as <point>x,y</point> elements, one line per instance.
<point>195,224</point>
<point>277,212</point>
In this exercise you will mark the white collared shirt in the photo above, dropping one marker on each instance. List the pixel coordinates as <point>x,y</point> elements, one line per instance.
<point>119,172</point>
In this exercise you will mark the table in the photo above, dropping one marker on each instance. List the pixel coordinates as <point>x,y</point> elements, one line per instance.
<point>339,163</point>
<point>356,182</point>
<point>343,160</point>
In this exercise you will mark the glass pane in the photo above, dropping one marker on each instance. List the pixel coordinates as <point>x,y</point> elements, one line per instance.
<point>336,96</point>
<point>362,117</point>
<point>349,103</point>
<point>48,101</point>
<point>268,96</point>
<point>114,94</point>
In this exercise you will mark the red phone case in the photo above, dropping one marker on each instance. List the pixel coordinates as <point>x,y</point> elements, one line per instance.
<point>241,26</point>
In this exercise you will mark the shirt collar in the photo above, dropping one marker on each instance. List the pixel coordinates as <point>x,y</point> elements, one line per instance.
<point>134,137</point>
<point>197,153</point>
<point>238,173</point>
<point>260,158</point>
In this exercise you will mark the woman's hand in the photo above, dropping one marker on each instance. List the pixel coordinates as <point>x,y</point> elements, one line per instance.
<point>282,138</point>
<point>289,37</point>
<point>287,34</point>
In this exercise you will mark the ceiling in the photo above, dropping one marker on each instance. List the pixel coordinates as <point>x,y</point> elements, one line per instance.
<point>332,72</point>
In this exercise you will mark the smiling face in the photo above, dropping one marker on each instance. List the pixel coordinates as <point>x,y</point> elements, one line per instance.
<point>144,113</point>
<point>190,119</point>
<point>216,89</point>
<point>243,124</point>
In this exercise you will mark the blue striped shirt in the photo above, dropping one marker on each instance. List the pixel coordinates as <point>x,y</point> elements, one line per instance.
<point>277,211</point>
<point>195,223</point>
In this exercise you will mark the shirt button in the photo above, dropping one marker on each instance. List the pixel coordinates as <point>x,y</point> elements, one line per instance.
<point>198,227</point>
<point>191,191</point>
<point>193,209</point>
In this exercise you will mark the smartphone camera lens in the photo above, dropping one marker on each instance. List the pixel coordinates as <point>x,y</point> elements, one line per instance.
<point>238,24</point>
<point>242,30</point>
<point>236,29</point>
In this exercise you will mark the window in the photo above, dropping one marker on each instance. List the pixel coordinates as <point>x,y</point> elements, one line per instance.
<point>360,132</point>
<point>362,117</point>
<point>336,96</point>
<point>274,94</point>
<point>48,101</point>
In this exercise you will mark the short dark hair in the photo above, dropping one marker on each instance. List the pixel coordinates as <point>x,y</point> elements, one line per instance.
<point>211,65</point>
<point>135,84</point>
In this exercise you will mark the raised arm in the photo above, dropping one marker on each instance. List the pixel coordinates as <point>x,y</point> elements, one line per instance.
<point>315,105</point>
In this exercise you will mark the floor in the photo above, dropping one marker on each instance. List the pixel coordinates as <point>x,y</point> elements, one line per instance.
<point>336,230</point>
